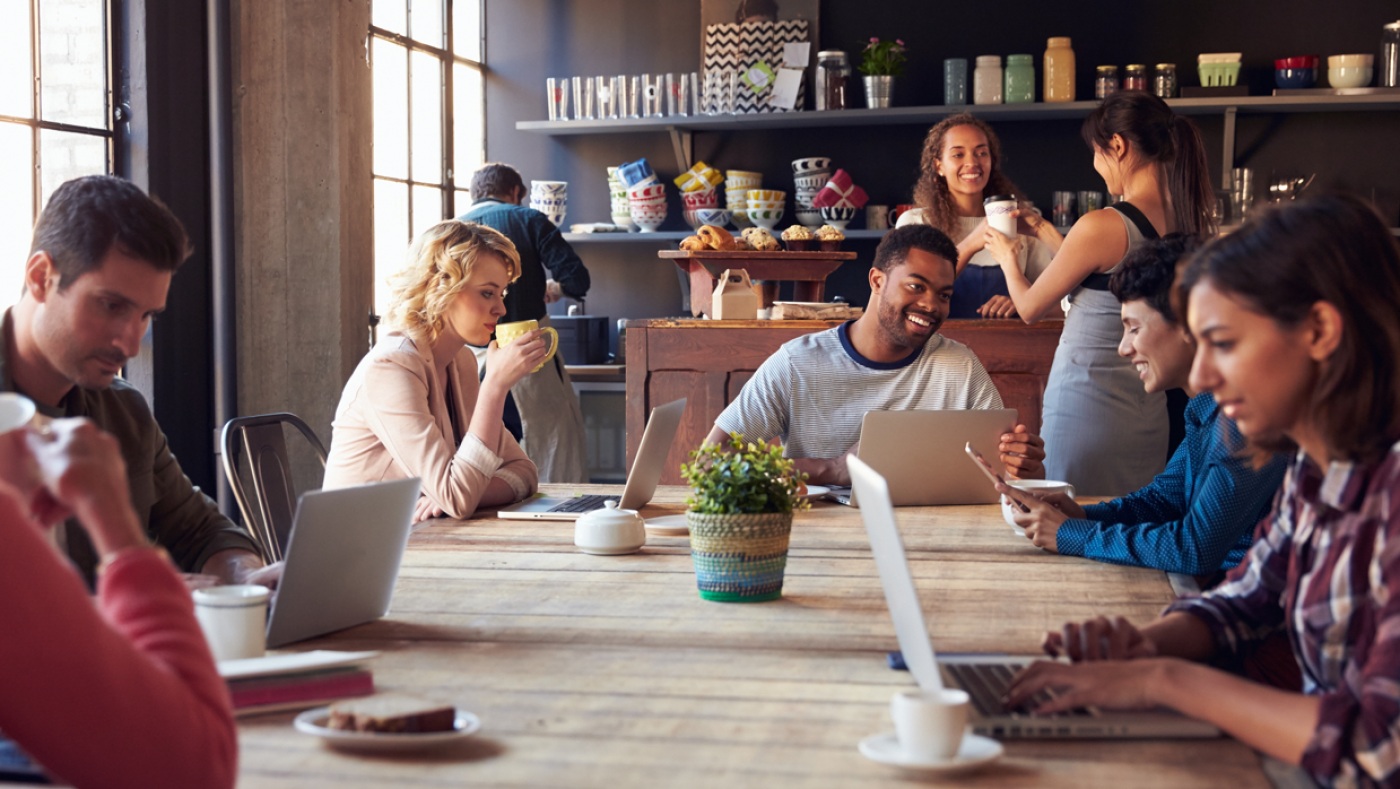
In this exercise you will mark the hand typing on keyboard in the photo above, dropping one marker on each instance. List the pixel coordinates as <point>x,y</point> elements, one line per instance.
<point>1099,639</point>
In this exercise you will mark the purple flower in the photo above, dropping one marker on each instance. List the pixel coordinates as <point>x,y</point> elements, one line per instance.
<point>874,40</point>
<point>899,41</point>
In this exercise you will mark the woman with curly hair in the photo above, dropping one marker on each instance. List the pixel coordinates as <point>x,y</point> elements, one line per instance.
<point>414,407</point>
<point>961,167</point>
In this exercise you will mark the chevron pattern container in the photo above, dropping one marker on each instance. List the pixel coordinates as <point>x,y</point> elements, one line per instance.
<point>739,558</point>
<point>738,48</point>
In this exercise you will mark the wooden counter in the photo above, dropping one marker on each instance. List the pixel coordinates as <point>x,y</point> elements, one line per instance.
<point>709,362</point>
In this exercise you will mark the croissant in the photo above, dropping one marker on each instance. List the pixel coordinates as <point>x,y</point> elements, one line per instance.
<point>716,237</point>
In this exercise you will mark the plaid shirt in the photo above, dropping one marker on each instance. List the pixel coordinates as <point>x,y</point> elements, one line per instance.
<point>1326,566</point>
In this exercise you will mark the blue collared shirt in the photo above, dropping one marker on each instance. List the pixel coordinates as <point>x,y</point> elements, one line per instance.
<point>1196,517</point>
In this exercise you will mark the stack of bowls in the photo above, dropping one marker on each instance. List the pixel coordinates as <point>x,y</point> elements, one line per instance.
<point>647,201</point>
<point>550,198</point>
<point>766,206</point>
<point>621,208</point>
<point>1296,72</point>
<point>737,184</point>
<point>809,175</point>
<point>1349,71</point>
<point>695,201</point>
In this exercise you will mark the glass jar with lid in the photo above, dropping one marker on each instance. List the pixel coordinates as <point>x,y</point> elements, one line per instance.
<point>1105,82</point>
<point>987,80</point>
<point>1164,81</point>
<point>1059,70</point>
<point>1135,77</point>
<point>1389,64</point>
<point>1020,80</point>
<point>833,73</point>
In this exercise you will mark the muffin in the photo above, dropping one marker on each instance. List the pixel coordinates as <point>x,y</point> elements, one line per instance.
<point>760,240</point>
<point>797,238</point>
<point>830,238</point>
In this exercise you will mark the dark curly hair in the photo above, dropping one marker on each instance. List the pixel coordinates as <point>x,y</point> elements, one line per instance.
<point>895,246</point>
<point>931,192</point>
<point>1149,269</point>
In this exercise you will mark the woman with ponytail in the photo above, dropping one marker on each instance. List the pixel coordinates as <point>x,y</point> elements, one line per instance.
<point>1102,432</point>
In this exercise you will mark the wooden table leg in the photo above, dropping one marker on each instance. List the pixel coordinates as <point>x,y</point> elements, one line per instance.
<point>702,288</point>
<point>808,290</point>
<point>767,291</point>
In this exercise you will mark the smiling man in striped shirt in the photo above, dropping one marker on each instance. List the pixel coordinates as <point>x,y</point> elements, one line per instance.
<point>814,391</point>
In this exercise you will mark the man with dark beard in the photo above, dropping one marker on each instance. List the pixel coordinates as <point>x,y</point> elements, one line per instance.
<point>814,391</point>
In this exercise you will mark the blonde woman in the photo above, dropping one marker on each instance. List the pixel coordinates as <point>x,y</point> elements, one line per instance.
<point>414,407</point>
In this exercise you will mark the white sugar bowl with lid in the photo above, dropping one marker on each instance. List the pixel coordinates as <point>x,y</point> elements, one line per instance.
<point>610,531</point>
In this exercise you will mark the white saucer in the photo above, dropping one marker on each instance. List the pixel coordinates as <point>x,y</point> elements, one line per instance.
<point>668,526</point>
<point>313,722</point>
<point>976,751</point>
<point>817,491</point>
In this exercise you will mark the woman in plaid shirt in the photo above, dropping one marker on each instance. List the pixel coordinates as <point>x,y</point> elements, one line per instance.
<point>1297,318</point>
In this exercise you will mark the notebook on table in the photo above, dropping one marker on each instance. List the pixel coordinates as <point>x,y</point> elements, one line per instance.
<point>920,454</point>
<point>641,480</point>
<point>984,677</point>
<point>342,559</point>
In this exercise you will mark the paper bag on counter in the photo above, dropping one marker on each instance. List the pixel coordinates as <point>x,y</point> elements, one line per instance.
<point>734,297</point>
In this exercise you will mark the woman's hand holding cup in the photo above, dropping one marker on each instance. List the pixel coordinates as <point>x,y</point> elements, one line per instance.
<point>516,354</point>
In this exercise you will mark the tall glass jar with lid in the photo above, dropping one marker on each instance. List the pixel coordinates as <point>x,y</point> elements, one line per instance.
<point>1135,77</point>
<point>1105,82</point>
<point>1164,81</point>
<point>1020,80</point>
<point>833,74</point>
<point>987,80</point>
<point>1059,70</point>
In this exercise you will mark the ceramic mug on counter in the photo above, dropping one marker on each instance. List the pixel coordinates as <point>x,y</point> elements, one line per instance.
<point>506,333</point>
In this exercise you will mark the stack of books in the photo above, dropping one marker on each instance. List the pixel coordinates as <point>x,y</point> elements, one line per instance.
<point>296,681</point>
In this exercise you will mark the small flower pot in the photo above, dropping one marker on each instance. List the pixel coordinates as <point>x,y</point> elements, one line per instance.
<point>739,558</point>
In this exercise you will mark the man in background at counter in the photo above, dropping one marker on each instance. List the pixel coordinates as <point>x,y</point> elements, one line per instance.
<point>551,420</point>
<point>99,270</point>
<point>814,391</point>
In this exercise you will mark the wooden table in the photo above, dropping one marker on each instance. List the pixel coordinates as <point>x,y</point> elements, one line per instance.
<point>806,270</point>
<point>612,672</point>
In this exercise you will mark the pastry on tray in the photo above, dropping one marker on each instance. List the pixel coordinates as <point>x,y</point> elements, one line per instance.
<point>797,238</point>
<point>760,240</point>
<point>694,244</point>
<point>716,237</point>
<point>392,712</point>
<point>830,238</point>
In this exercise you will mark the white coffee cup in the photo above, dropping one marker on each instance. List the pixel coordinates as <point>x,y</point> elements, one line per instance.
<point>999,216</point>
<point>234,619</point>
<point>930,724</point>
<point>1032,486</point>
<point>16,411</point>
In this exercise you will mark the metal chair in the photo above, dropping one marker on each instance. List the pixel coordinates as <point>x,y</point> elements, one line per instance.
<point>270,512</point>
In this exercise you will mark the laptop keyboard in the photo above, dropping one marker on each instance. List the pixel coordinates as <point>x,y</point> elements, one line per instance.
<point>588,503</point>
<point>986,685</point>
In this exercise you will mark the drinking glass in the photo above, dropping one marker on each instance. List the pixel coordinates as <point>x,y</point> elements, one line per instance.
<point>557,97</point>
<point>636,96</point>
<point>583,98</point>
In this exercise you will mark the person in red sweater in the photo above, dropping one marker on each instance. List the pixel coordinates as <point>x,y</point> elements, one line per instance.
<point>124,693</point>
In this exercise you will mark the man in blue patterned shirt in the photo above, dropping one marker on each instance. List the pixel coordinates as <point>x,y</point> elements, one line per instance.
<point>1197,517</point>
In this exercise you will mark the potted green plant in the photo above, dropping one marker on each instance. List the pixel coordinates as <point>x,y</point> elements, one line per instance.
<point>881,62</point>
<point>740,517</point>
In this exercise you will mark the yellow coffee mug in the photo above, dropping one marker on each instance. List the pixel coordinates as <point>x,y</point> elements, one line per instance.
<point>506,333</point>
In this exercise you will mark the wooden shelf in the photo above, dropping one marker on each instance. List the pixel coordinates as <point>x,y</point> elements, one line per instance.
<point>930,114</point>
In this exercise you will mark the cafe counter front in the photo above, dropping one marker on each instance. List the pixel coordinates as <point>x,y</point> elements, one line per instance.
<point>708,362</point>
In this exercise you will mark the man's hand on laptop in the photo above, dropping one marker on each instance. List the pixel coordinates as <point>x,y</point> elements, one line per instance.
<point>233,566</point>
<point>1022,453</point>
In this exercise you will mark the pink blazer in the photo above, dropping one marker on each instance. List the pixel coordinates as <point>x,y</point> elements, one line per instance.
<point>393,422</point>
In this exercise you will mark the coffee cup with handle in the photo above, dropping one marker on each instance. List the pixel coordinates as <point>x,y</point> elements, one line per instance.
<point>930,723</point>
<point>1034,487</point>
<point>506,333</point>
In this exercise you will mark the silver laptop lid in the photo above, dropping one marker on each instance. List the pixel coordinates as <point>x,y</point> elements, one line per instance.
<point>900,594</point>
<point>342,560</point>
<point>920,453</point>
<point>651,454</point>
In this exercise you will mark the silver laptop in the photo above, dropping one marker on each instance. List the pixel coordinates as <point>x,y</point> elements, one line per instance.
<point>342,559</point>
<point>641,480</point>
<point>920,454</point>
<point>984,677</point>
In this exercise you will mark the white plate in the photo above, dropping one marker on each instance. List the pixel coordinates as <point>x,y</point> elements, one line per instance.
<point>313,722</point>
<point>975,752</point>
<point>668,526</point>
<point>817,491</point>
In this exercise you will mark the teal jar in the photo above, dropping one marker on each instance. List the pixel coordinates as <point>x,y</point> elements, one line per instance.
<point>1020,80</point>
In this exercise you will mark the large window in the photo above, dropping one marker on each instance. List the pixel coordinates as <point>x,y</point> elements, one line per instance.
<point>429,131</point>
<point>55,113</point>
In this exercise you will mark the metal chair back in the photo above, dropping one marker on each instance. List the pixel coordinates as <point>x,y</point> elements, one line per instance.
<point>269,511</point>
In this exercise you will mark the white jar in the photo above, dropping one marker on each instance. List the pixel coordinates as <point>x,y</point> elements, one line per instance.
<point>987,80</point>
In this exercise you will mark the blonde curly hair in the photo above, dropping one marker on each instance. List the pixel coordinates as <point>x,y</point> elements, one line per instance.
<point>440,263</point>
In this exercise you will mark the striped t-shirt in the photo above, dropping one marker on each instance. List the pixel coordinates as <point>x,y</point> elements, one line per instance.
<point>814,391</point>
